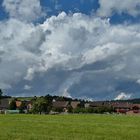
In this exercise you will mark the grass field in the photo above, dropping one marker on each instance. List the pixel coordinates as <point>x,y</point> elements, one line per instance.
<point>69,127</point>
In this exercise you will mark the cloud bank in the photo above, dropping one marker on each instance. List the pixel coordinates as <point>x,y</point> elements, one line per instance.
<point>75,55</point>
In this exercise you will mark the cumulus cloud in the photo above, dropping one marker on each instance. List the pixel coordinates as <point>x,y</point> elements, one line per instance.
<point>123,96</point>
<point>25,10</point>
<point>92,56</point>
<point>107,8</point>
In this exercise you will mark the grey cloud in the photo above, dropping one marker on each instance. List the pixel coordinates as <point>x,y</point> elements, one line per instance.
<point>74,55</point>
<point>33,43</point>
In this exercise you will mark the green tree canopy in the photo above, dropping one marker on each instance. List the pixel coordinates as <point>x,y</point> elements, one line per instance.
<point>12,105</point>
<point>41,105</point>
<point>1,93</point>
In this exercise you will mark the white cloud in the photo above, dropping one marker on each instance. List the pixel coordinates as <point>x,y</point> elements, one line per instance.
<point>69,43</point>
<point>123,96</point>
<point>28,10</point>
<point>107,8</point>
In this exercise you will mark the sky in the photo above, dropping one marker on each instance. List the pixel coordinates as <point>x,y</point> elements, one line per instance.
<point>88,49</point>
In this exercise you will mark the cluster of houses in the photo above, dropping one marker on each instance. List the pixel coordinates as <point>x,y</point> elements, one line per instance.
<point>118,106</point>
<point>5,103</point>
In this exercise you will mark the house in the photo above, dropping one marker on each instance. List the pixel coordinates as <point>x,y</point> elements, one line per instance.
<point>135,110</point>
<point>4,103</point>
<point>74,104</point>
<point>25,102</point>
<point>87,105</point>
<point>62,105</point>
<point>18,103</point>
<point>27,105</point>
<point>122,107</point>
<point>136,106</point>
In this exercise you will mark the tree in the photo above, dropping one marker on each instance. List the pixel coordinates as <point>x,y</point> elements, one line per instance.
<point>34,108</point>
<point>41,105</point>
<point>12,105</point>
<point>70,109</point>
<point>1,93</point>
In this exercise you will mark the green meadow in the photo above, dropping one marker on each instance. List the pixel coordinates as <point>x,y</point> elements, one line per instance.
<point>69,127</point>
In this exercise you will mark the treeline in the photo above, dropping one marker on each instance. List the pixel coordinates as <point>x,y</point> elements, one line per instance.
<point>99,110</point>
<point>133,101</point>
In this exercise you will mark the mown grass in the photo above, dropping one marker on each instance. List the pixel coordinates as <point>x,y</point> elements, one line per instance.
<point>69,127</point>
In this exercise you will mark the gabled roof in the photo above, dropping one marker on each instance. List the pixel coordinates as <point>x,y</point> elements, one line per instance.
<point>75,104</point>
<point>4,103</point>
<point>60,104</point>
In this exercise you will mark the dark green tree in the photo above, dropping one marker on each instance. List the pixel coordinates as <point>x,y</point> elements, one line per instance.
<point>1,93</point>
<point>70,109</point>
<point>41,105</point>
<point>12,105</point>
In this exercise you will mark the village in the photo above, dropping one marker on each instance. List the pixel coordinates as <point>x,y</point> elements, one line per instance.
<point>62,105</point>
